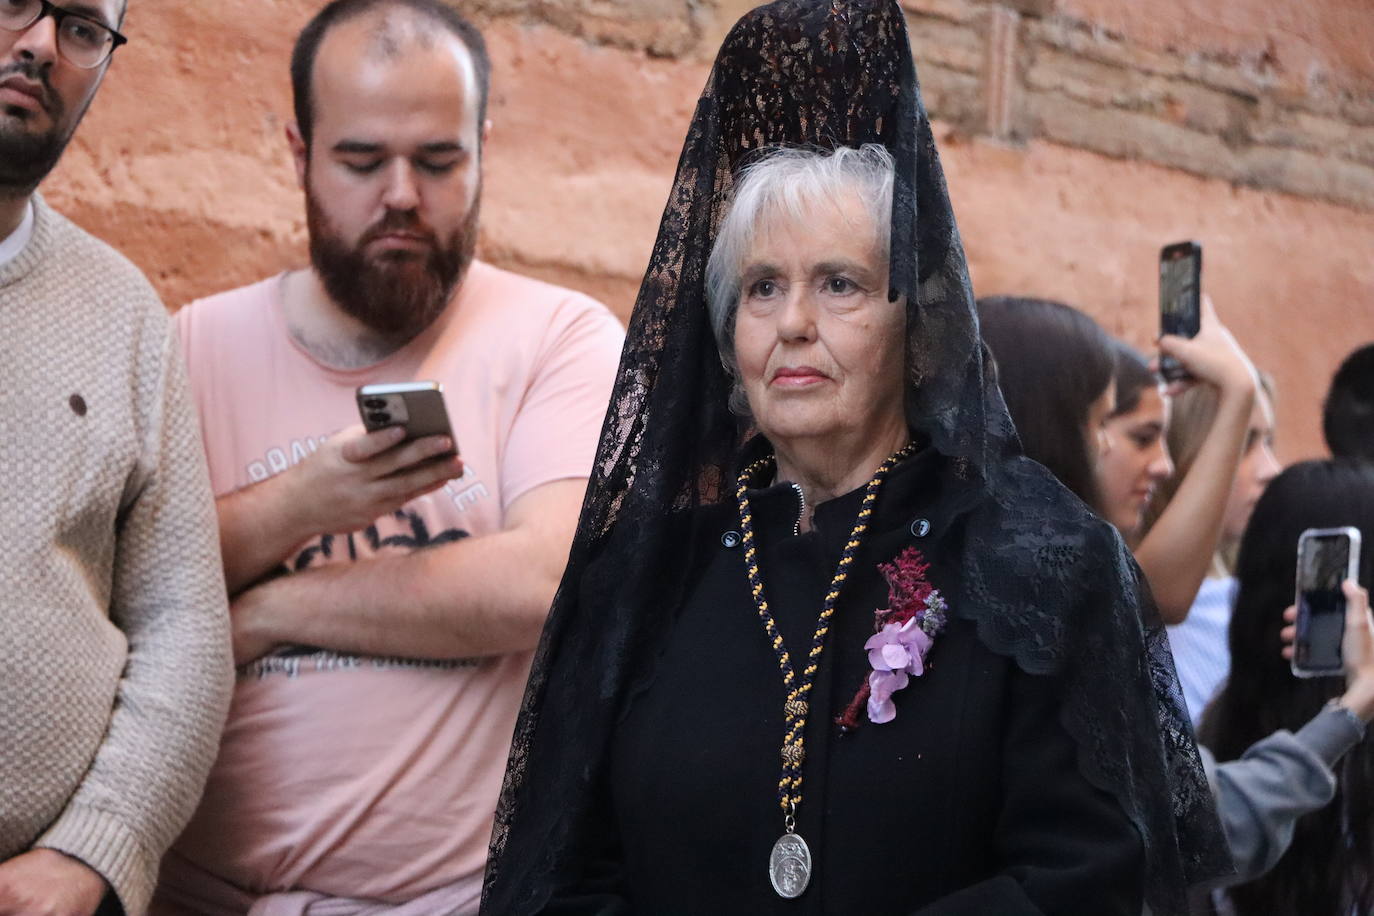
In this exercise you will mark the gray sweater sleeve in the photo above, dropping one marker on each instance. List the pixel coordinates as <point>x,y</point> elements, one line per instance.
<point>168,600</point>
<point>1277,780</point>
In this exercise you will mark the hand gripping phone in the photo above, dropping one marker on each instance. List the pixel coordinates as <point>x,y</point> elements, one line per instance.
<point>1326,558</point>
<point>417,406</point>
<point>1180,299</point>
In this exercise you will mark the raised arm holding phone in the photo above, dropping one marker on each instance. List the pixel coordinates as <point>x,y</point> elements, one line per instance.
<point>1173,505</point>
<point>1176,551</point>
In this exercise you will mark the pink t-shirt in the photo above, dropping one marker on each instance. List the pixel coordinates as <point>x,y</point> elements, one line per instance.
<point>367,777</point>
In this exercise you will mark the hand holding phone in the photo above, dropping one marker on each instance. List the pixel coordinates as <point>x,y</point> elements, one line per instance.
<point>1357,649</point>
<point>1211,357</point>
<point>1327,558</point>
<point>416,407</point>
<point>355,477</point>
<point>404,450</point>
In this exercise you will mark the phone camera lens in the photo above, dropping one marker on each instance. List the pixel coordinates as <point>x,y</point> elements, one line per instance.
<point>379,418</point>
<point>375,404</point>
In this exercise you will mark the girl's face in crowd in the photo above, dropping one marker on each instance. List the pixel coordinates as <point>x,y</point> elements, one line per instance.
<point>1258,466</point>
<point>1137,463</point>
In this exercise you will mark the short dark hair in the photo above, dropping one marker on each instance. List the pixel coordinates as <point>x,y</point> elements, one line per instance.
<point>341,11</point>
<point>1052,361</point>
<point>1133,376</point>
<point>1348,416</point>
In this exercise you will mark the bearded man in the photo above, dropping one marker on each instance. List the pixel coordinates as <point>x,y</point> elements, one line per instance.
<point>114,637</point>
<point>387,594</point>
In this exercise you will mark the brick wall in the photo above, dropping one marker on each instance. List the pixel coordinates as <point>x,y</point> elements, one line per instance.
<point>1078,136</point>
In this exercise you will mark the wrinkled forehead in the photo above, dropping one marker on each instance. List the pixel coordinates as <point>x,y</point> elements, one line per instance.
<point>840,220</point>
<point>816,212</point>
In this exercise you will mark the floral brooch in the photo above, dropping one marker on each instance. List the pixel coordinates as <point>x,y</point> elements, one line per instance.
<point>904,633</point>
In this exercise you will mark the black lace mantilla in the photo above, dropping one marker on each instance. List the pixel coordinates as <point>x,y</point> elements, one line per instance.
<point>1057,590</point>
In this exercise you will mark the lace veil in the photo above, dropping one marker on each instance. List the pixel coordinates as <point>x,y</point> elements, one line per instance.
<point>824,74</point>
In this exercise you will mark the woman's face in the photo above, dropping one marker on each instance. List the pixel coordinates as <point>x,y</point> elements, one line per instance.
<point>821,350</point>
<point>1258,466</point>
<point>1138,461</point>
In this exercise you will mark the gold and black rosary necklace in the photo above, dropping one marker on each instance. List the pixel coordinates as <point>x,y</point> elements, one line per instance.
<point>790,865</point>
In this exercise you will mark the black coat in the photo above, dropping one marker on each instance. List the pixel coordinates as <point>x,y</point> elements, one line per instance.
<point>970,801</point>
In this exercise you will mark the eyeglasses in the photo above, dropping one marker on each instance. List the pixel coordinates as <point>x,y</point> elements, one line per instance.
<point>84,42</point>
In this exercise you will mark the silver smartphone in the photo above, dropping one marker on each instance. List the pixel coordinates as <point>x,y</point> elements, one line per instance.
<point>417,406</point>
<point>1326,558</point>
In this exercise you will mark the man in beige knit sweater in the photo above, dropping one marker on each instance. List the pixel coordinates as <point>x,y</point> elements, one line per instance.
<point>114,659</point>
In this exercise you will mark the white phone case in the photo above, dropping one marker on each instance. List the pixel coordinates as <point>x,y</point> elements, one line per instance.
<point>1352,572</point>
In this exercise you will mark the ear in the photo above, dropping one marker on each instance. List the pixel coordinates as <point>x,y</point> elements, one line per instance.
<point>486,131</point>
<point>300,155</point>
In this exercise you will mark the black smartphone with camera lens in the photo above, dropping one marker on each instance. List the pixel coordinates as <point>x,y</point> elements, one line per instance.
<point>1180,299</point>
<point>417,406</point>
<point>1326,558</point>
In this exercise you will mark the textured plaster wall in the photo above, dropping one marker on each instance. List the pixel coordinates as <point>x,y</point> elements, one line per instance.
<point>1331,41</point>
<point>1078,135</point>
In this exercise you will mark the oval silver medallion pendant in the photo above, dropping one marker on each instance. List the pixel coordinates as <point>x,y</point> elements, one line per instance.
<point>789,867</point>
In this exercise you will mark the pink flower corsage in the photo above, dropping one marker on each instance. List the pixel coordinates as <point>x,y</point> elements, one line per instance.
<point>905,633</point>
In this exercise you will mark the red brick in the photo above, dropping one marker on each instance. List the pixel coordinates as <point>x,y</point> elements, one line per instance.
<point>947,44</point>
<point>1002,72</point>
<point>1326,36</point>
<point>182,163</point>
<point>965,12</point>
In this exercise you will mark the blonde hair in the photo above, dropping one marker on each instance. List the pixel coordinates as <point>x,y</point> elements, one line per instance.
<point>1191,416</point>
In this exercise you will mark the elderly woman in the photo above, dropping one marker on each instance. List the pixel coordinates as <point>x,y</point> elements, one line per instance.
<point>826,643</point>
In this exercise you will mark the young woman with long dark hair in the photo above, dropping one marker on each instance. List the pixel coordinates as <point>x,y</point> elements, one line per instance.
<point>1055,368</point>
<point>1329,869</point>
<point>1091,410</point>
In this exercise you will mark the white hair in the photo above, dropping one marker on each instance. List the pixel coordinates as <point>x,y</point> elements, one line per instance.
<point>787,181</point>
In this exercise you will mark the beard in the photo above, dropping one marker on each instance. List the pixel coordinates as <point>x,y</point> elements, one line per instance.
<point>26,158</point>
<point>399,293</point>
